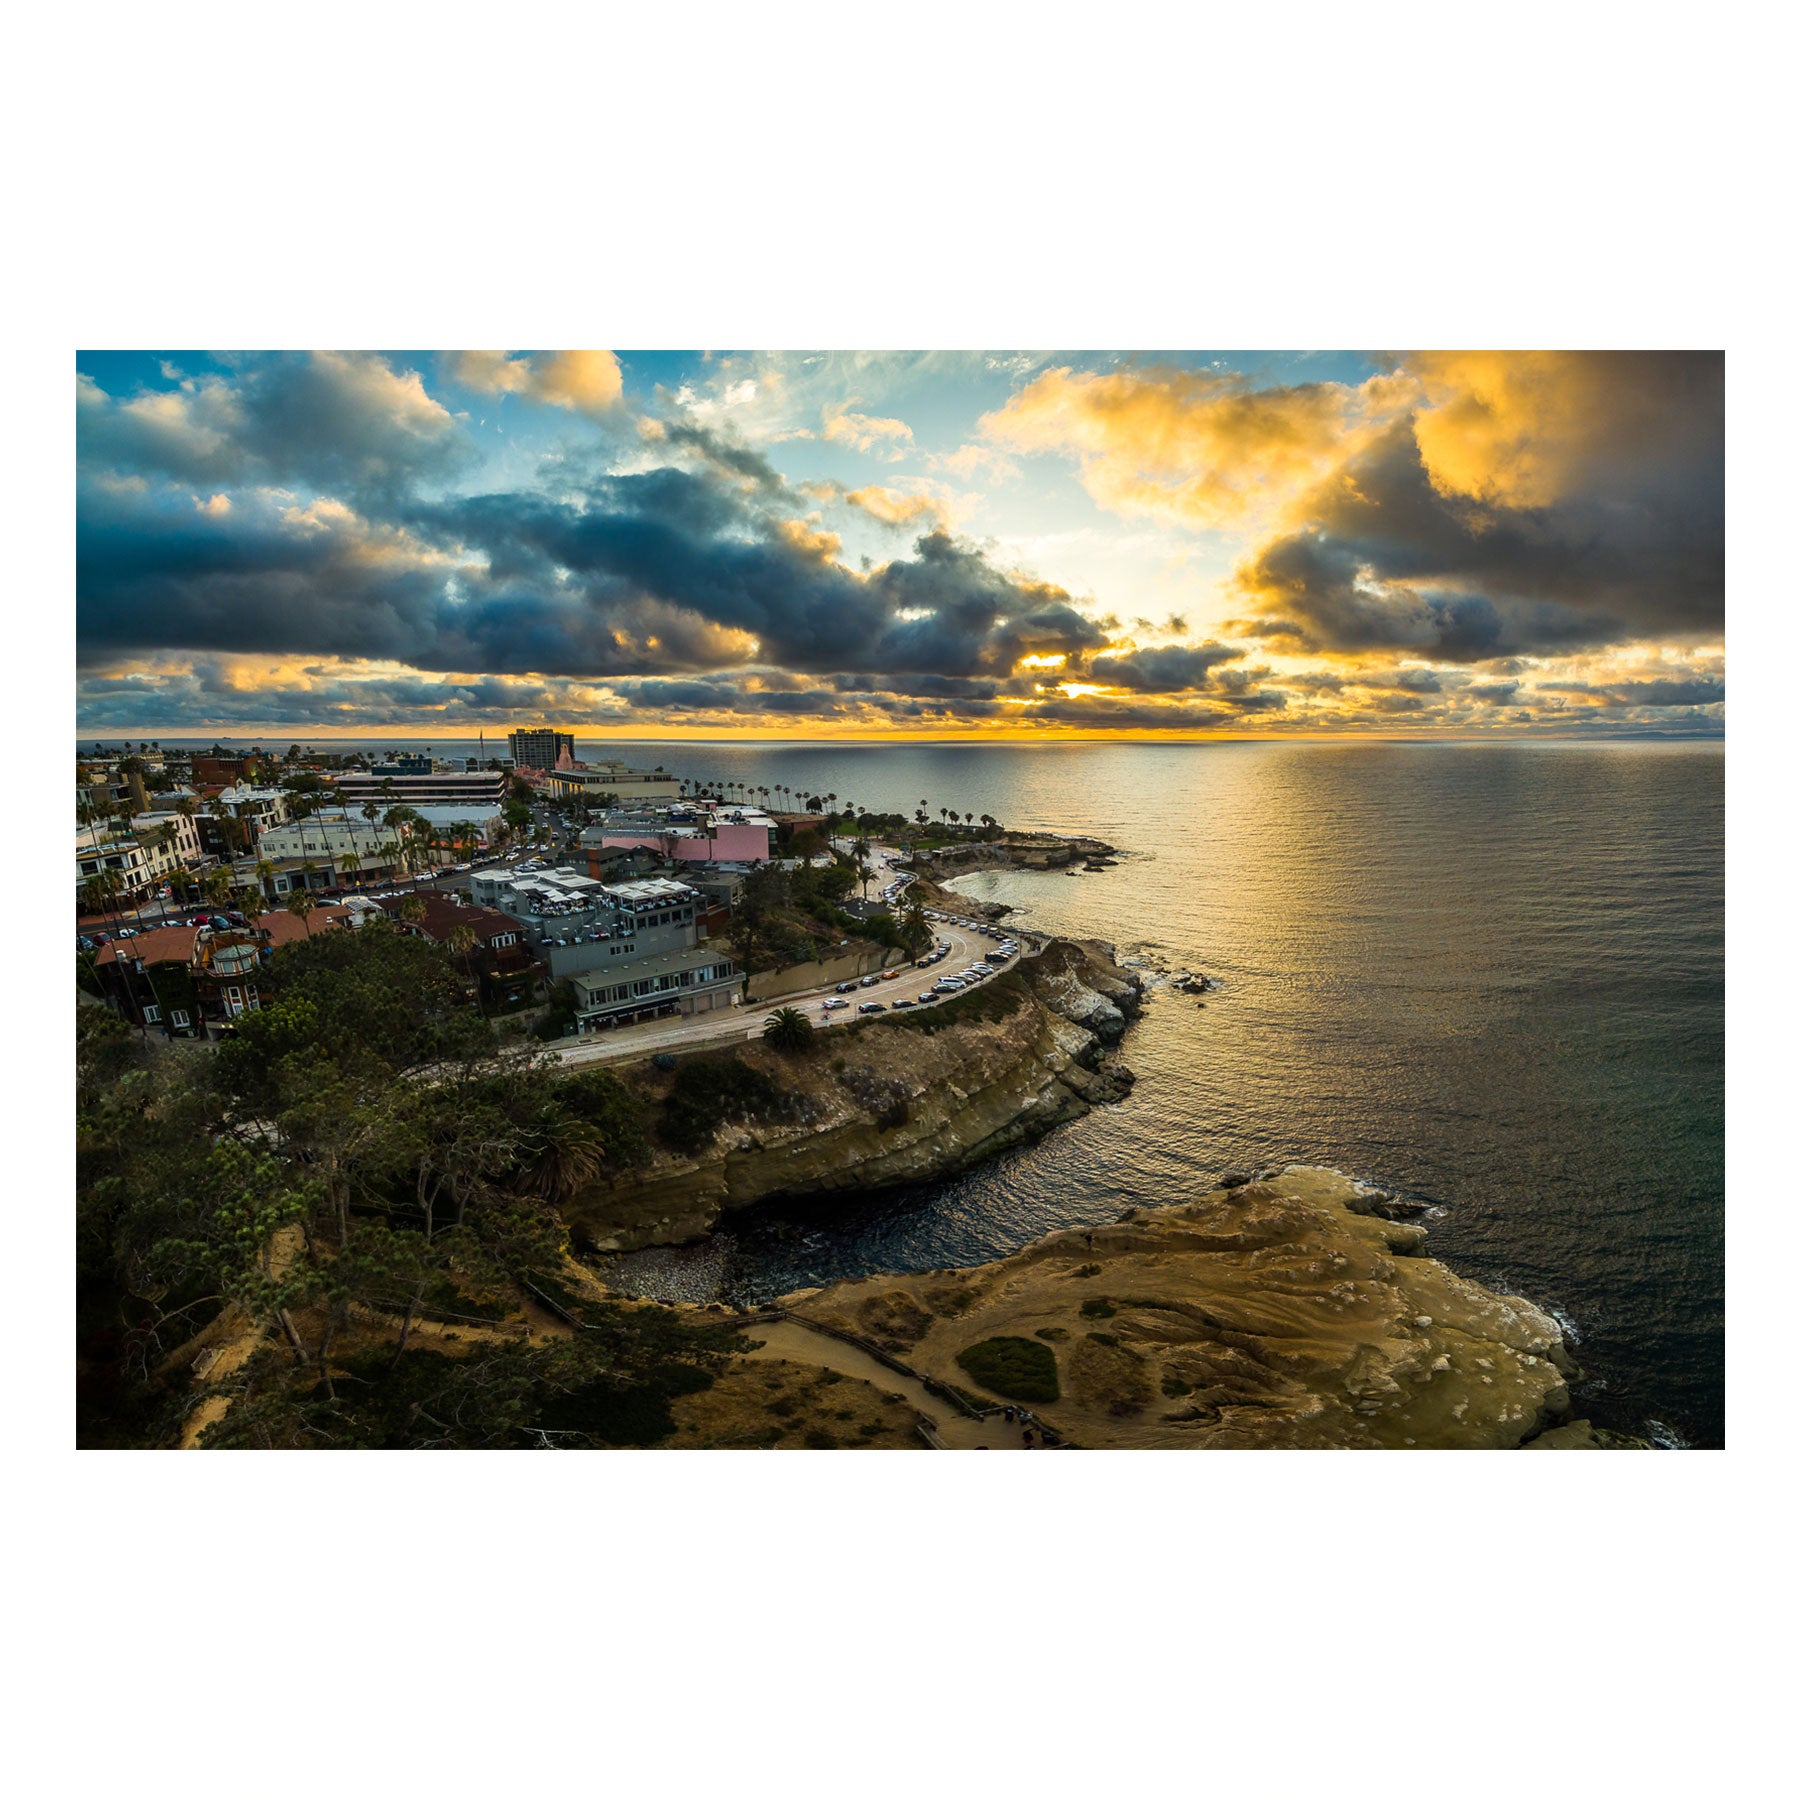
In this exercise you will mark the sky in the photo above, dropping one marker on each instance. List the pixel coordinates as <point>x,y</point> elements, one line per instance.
<point>941,544</point>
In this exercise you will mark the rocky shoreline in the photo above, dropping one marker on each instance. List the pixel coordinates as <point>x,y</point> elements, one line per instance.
<point>1281,1311</point>
<point>897,1105</point>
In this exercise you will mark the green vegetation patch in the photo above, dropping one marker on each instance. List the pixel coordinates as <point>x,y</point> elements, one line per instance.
<point>711,1090</point>
<point>1013,1367</point>
<point>987,1002</point>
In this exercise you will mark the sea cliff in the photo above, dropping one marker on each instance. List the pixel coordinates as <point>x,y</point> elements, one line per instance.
<point>889,1104</point>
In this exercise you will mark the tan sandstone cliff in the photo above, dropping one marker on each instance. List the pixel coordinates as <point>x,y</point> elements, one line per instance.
<point>1280,1314</point>
<point>886,1105</point>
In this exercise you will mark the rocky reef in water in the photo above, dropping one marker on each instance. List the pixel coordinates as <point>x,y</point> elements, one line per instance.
<point>1284,1312</point>
<point>890,1104</point>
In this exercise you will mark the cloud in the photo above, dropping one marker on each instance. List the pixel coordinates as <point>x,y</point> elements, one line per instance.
<point>1459,542</point>
<point>894,507</point>
<point>327,420</point>
<point>860,431</point>
<point>1200,447</point>
<point>1166,669</point>
<point>583,381</point>
<point>1463,505</point>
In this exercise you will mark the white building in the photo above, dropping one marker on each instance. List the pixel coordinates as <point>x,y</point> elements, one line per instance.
<point>357,847</point>
<point>588,781</point>
<point>96,852</point>
<point>186,845</point>
<point>258,807</point>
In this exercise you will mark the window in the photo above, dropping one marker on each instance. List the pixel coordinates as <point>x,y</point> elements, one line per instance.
<point>152,1015</point>
<point>179,1020</point>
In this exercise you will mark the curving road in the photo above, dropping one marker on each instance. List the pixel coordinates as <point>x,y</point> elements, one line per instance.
<point>740,1022</point>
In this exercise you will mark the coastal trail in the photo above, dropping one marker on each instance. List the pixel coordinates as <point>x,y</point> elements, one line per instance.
<point>784,1341</point>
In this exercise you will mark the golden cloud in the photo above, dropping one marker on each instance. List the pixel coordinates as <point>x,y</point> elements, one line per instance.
<point>1203,448</point>
<point>892,507</point>
<point>584,381</point>
<point>1511,428</point>
<point>861,431</point>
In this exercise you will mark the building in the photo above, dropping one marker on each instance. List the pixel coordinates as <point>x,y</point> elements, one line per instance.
<point>189,981</point>
<point>588,781</point>
<point>693,832</point>
<point>100,852</point>
<point>257,807</point>
<point>541,748</point>
<point>361,850</point>
<point>208,769</point>
<point>678,981</point>
<point>480,828</point>
<point>580,926</point>
<point>185,828</point>
<point>501,961</point>
<point>474,791</point>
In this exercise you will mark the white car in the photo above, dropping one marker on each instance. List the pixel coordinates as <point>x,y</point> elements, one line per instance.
<point>833,1005</point>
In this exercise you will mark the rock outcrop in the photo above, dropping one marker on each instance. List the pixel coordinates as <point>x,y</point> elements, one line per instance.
<point>1281,1312</point>
<point>893,1104</point>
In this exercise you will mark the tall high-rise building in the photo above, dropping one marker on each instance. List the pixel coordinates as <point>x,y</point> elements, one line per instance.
<point>542,748</point>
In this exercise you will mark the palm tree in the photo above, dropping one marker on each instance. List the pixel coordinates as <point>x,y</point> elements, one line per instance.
<point>412,908</point>
<point>301,904</point>
<point>462,943</point>
<point>788,1028</point>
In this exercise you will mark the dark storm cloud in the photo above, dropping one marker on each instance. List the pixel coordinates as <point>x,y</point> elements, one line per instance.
<point>725,454</point>
<point>666,571</point>
<point>1485,543</point>
<point>1316,596</point>
<point>1170,669</point>
<point>1699,691</point>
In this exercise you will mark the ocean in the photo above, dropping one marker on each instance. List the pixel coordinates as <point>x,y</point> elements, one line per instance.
<point>1489,975</point>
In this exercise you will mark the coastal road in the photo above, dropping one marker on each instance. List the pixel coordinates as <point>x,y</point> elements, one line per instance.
<point>738,1023</point>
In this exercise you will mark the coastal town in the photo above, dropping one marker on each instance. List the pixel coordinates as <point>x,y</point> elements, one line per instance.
<point>574,900</point>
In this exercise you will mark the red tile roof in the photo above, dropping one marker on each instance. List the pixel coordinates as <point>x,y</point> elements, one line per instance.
<point>167,943</point>
<point>284,928</point>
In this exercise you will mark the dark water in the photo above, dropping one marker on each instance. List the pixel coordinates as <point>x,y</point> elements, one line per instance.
<point>1489,974</point>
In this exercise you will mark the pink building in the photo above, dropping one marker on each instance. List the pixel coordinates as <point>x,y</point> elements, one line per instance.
<point>687,843</point>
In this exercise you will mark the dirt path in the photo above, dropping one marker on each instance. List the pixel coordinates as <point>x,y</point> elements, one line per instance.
<point>784,1341</point>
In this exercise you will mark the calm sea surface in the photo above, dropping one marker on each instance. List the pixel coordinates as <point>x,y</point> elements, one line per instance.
<point>1491,975</point>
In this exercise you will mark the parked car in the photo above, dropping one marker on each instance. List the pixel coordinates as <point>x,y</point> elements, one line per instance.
<point>870,981</point>
<point>890,975</point>
<point>871,1006</point>
<point>900,1003</point>
<point>834,1005</point>
<point>846,987</point>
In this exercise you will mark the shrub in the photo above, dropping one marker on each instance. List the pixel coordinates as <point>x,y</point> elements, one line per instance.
<point>710,1090</point>
<point>1013,1367</point>
<point>819,1439</point>
<point>1086,1270</point>
<point>1097,1309</point>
